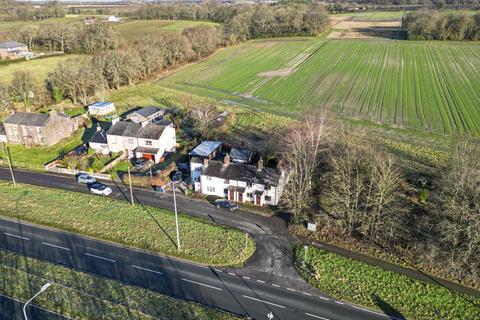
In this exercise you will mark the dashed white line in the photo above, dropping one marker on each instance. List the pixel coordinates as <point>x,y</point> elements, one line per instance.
<point>266,302</point>
<point>55,246</point>
<point>323,298</point>
<point>275,285</point>
<point>98,257</point>
<point>261,281</point>
<point>248,278</point>
<point>202,284</point>
<point>339,302</point>
<point>232,274</point>
<point>291,290</point>
<point>315,316</point>
<point>15,236</point>
<point>307,294</point>
<point>218,270</point>
<point>145,269</point>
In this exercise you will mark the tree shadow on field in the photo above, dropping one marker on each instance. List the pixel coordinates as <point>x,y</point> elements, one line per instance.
<point>387,308</point>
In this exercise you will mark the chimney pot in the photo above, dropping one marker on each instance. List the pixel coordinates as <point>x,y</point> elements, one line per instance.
<point>260,164</point>
<point>205,162</point>
<point>226,159</point>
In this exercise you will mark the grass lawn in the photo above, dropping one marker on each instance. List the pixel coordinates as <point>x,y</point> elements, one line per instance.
<point>420,85</point>
<point>39,68</point>
<point>373,15</point>
<point>83,296</point>
<point>131,30</point>
<point>394,294</point>
<point>36,157</point>
<point>138,226</point>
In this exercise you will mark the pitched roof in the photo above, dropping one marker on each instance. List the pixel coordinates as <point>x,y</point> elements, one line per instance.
<point>99,137</point>
<point>241,172</point>
<point>11,44</point>
<point>205,148</point>
<point>240,154</point>
<point>101,104</point>
<point>148,111</point>
<point>135,130</point>
<point>28,119</point>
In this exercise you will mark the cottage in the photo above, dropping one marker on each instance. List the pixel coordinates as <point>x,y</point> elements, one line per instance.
<point>3,135</point>
<point>139,140</point>
<point>147,114</point>
<point>242,182</point>
<point>13,50</point>
<point>101,108</point>
<point>205,150</point>
<point>98,141</point>
<point>38,129</point>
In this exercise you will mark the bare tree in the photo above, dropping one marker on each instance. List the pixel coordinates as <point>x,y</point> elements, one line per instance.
<point>204,118</point>
<point>302,149</point>
<point>22,87</point>
<point>5,98</point>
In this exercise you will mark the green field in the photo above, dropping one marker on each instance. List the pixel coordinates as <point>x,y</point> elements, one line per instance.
<point>39,68</point>
<point>133,30</point>
<point>373,15</point>
<point>431,86</point>
<point>137,226</point>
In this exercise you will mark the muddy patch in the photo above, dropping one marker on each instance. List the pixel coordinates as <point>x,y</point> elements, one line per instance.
<point>277,73</point>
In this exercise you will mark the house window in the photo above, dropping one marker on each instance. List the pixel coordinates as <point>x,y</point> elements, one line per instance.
<point>148,142</point>
<point>226,181</point>
<point>209,178</point>
<point>268,198</point>
<point>210,189</point>
<point>130,141</point>
<point>249,194</point>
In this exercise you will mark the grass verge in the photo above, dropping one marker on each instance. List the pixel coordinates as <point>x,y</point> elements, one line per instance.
<point>83,296</point>
<point>138,226</point>
<point>394,294</point>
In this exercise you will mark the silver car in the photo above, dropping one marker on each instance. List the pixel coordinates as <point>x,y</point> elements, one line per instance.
<point>85,178</point>
<point>100,189</point>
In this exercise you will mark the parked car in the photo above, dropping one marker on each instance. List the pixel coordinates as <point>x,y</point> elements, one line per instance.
<point>80,150</point>
<point>85,178</point>
<point>226,204</point>
<point>100,189</point>
<point>177,177</point>
<point>140,163</point>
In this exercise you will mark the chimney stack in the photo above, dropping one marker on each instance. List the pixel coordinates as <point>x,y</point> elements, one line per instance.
<point>115,120</point>
<point>226,160</point>
<point>98,127</point>
<point>205,162</point>
<point>260,164</point>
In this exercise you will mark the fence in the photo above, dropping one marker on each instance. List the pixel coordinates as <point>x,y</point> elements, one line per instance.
<point>75,172</point>
<point>112,163</point>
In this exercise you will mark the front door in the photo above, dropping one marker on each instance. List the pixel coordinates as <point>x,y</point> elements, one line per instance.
<point>257,199</point>
<point>240,197</point>
<point>232,195</point>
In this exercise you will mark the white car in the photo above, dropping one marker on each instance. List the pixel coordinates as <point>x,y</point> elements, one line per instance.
<point>100,189</point>
<point>85,178</point>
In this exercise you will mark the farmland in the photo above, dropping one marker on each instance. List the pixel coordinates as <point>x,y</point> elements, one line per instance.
<point>131,30</point>
<point>429,86</point>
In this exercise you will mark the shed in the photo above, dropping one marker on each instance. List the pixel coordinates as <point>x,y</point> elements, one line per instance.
<point>101,108</point>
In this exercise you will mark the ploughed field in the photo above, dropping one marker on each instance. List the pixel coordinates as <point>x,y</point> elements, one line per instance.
<point>433,86</point>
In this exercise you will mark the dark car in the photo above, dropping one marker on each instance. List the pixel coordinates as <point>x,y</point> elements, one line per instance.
<point>140,163</point>
<point>177,177</point>
<point>226,204</point>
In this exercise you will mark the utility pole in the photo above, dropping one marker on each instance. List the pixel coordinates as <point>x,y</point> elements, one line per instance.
<point>130,183</point>
<point>7,156</point>
<point>176,216</point>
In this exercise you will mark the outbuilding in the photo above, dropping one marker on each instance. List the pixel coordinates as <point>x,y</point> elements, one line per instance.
<point>101,108</point>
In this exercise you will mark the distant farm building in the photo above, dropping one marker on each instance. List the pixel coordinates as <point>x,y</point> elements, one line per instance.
<point>13,50</point>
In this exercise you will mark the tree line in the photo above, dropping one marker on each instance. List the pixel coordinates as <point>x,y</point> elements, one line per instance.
<point>19,10</point>
<point>434,25</point>
<point>243,22</point>
<point>67,37</point>
<point>355,188</point>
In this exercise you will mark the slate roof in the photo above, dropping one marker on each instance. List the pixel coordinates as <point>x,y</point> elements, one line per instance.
<point>242,172</point>
<point>148,111</point>
<point>132,129</point>
<point>28,119</point>
<point>99,137</point>
<point>11,44</point>
<point>205,148</point>
<point>240,154</point>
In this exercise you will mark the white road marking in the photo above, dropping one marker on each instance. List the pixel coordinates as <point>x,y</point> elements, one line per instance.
<point>218,270</point>
<point>307,294</point>
<point>261,281</point>
<point>232,274</point>
<point>55,246</point>
<point>291,289</point>
<point>98,257</point>
<point>202,284</point>
<point>275,285</point>
<point>323,298</point>
<point>248,278</point>
<point>145,269</point>
<point>339,302</point>
<point>371,311</point>
<point>266,302</point>
<point>315,316</point>
<point>15,236</point>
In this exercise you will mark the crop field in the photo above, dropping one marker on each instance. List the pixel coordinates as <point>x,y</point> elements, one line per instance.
<point>431,86</point>
<point>372,16</point>
<point>132,30</point>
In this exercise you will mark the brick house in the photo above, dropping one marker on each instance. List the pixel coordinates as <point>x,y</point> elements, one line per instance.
<point>12,50</point>
<point>38,129</point>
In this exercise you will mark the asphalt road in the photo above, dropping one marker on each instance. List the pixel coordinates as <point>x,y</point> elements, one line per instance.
<point>206,285</point>
<point>12,309</point>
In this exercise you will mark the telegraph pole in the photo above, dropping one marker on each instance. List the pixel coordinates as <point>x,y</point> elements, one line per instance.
<point>7,156</point>
<point>130,183</point>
